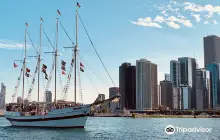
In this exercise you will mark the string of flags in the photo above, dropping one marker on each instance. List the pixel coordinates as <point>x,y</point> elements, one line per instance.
<point>63,67</point>
<point>44,70</point>
<point>15,65</point>
<point>28,72</point>
<point>78,5</point>
<point>81,67</point>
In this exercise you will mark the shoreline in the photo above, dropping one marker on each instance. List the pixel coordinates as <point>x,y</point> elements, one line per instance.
<point>152,116</point>
<point>110,116</point>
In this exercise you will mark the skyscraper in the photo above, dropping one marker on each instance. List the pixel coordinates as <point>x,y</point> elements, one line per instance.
<point>185,99</point>
<point>166,94</point>
<point>167,77</point>
<point>127,85</point>
<point>215,81</point>
<point>188,76</point>
<point>122,83</point>
<point>175,72</point>
<point>211,49</point>
<point>130,96</point>
<point>146,85</point>
<point>155,104</point>
<point>177,104</point>
<point>159,94</point>
<point>48,96</point>
<point>202,89</point>
<point>2,95</point>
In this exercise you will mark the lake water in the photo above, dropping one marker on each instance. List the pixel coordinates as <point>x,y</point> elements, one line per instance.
<point>117,129</point>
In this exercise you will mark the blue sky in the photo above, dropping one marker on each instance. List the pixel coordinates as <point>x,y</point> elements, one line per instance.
<point>122,31</point>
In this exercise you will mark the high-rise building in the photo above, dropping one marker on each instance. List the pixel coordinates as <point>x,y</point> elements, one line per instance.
<point>186,97</point>
<point>166,93</point>
<point>155,104</point>
<point>175,72</point>
<point>48,96</point>
<point>19,100</point>
<point>167,77</point>
<point>159,94</point>
<point>112,92</point>
<point>215,81</point>
<point>127,85</point>
<point>146,85</point>
<point>177,104</point>
<point>211,49</point>
<point>122,83</point>
<point>202,89</point>
<point>130,94</point>
<point>188,76</point>
<point>2,95</point>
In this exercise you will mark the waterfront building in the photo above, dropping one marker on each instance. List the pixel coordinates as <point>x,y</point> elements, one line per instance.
<point>146,85</point>
<point>215,81</point>
<point>159,94</point>
<point>2,95</point>
<point>177,104</point>
<point>122,83</point>
<point>188,76</point>
<point>127,85</point>
<point>48,96</point>
<point>185,99</point>
<point>211,49</point>
<point>166,94</point>
<point>112,92</point>
<point>175,72</point>
<point>202,89</point>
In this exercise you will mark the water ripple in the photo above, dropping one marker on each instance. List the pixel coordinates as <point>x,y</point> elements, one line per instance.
<point>116,129</point>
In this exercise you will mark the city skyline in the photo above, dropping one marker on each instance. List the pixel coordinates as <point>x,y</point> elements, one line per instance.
<point>128,37</point>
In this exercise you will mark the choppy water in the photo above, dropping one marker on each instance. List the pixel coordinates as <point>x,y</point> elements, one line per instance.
<point>117,129</point>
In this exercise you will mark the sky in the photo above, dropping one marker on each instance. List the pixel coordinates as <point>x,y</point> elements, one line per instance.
<point>122,31</point>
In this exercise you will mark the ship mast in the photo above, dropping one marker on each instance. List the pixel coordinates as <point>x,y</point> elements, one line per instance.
<point>55,99</point>
<point>39,63</point>
<point>75,53</point>
<point>26,25</point>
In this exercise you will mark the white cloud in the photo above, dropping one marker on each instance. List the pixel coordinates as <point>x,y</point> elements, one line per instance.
<point>173,25</point>
<point>164,13</point>
<point>147,22</point>
<point>208,9</point>
<point>171,21</point>
<point>8,44</point>
<point>215,22</point>
<point>159,19</point>
<point>185,22</point>
<point>206,22</point>
<point>197,17</point>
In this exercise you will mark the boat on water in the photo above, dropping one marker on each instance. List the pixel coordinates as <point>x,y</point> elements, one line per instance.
<point>57,114</point>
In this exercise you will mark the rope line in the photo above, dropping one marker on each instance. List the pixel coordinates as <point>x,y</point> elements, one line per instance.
<point>32,42</point>
<point>48,39</point>
<point>65,31</point>
<point>95,50</point>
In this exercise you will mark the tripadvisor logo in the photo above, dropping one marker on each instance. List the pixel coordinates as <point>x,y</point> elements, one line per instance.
<point>170,129</point>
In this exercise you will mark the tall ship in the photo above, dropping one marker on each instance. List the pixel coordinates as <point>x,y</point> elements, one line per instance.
<point>59,113</point>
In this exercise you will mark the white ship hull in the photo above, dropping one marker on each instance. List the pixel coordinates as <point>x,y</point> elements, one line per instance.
<point>73,117</point>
